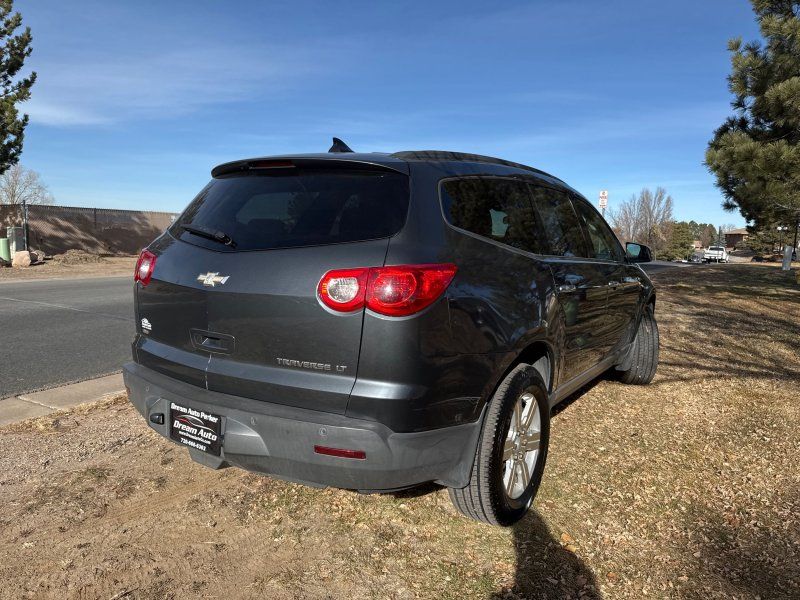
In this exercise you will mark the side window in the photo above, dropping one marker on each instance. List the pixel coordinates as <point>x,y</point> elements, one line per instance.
<point>560,223</point>
<point>604,244</point>
<point>498,209</point>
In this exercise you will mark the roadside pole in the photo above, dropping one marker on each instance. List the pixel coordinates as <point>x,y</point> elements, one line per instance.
<point>603,202</point>
<point>25,224</point>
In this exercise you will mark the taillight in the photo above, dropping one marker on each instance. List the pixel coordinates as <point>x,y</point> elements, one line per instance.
<point>144,267</point>
<point>343,290</point>
<point>395,291</point>
<point>406,289</point>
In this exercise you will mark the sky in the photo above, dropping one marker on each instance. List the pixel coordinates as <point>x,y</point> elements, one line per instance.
<point>136,101</point>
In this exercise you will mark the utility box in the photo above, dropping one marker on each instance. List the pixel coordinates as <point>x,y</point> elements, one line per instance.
<point>787,257</point>
<point>16,239</point>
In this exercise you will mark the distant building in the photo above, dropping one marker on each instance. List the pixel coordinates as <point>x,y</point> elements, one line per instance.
<point>734,237</point>
<point>698,245</point>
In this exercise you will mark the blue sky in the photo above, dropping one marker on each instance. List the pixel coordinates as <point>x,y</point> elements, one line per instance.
<point>136,101</point>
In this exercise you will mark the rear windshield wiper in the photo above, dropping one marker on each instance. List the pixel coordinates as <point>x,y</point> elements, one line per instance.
<point>210,234</point>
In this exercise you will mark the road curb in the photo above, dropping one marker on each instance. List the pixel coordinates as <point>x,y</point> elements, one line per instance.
<point>37,404</point>
<point>76,277</point>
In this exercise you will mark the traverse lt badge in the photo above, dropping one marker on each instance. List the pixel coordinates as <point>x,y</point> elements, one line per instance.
<point>212,279</point>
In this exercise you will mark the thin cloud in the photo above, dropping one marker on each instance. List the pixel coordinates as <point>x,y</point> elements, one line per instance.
<point>47,112</point>
<point>160,85</point>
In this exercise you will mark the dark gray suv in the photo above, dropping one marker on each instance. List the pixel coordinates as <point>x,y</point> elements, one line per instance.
<point>377,321</point>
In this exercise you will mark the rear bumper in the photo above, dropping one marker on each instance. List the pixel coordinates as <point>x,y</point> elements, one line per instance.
<point>279,440</point>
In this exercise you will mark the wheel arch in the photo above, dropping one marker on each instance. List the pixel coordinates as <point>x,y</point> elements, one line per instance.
<point>539,354</point>
<point>651,300</point>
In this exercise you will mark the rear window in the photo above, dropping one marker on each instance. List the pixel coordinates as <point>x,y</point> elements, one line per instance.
<point>294,208</point>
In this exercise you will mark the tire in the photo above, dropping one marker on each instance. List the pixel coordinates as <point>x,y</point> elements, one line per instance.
<point>486,498</point>
<point>639,366</point>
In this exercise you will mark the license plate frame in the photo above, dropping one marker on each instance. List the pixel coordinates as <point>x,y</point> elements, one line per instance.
<point>195,428</point>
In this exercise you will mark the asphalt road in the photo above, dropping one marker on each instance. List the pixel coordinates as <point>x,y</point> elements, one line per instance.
<point>54,332</point>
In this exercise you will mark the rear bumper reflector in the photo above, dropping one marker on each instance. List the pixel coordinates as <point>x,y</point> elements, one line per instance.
<point>340,452</point>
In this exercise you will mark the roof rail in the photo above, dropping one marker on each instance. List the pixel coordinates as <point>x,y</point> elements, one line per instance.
<point>464,156</point>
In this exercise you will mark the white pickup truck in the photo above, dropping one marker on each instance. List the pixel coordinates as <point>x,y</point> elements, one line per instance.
<point>715,254</point>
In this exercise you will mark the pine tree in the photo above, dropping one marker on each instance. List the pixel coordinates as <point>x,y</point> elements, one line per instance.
<point>14,49</point>
<point>755,154</point>
<point>680,242</point>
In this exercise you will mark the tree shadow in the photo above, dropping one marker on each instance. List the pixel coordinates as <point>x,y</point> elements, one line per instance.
<point>750,339</point>
<point>56,229</point>
<point>546,568</point>
<point>749,558</point>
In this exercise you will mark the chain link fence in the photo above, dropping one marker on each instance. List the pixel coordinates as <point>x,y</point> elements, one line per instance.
<point>56,229</point>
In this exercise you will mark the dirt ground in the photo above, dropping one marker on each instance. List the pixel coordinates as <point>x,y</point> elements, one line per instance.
<point>99,266</point>
<point>687,488</point>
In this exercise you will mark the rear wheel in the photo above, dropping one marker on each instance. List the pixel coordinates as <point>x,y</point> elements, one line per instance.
<point>512,451</point>
<point>639,366</point>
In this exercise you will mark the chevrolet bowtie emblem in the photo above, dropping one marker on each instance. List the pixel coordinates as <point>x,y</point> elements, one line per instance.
<point>212,279</point>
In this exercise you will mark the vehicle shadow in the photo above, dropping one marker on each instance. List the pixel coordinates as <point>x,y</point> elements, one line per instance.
<point>545,568</point>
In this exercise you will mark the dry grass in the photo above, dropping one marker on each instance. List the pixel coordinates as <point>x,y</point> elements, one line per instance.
<point>102,267</point>
<point>685,488</point>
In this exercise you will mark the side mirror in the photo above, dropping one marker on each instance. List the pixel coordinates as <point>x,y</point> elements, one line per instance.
<point>638,253</point>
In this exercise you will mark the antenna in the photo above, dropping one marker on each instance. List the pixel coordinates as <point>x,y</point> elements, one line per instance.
<point>339,146</point>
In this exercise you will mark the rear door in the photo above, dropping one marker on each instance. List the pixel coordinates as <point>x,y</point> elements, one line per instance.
<point>242,293</point>
<point>624,285</point>
<point>581,287</point>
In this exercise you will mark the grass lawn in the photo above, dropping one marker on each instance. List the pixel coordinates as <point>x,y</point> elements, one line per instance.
<point>687,488</point>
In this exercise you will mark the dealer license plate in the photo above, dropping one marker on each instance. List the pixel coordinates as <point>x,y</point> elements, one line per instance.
<point>195,428</point>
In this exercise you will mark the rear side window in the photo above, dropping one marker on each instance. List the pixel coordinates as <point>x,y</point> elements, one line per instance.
<point>295,208</point>
<point>498,209</point>
<point>560,223</point>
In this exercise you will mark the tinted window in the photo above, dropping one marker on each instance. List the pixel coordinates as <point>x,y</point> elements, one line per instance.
<point>603,242</point>
<point>560,223</point>
<point>498,209</point>
<point>300,208</point>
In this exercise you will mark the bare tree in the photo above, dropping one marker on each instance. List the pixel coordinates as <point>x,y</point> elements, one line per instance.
<point>625,220</point>
<point>19,186</point>
<point>646,218</point>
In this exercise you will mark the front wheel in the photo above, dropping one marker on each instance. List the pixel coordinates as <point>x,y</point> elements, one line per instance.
<point>641,362</point>
<point>512,451</point>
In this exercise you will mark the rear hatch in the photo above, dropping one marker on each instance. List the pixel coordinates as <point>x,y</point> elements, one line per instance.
<point>232,304</point>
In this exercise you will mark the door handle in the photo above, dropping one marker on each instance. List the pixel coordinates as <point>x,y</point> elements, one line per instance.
<point>565,288</point>
<point>612,283</point>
